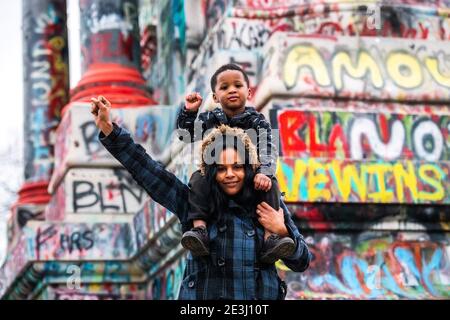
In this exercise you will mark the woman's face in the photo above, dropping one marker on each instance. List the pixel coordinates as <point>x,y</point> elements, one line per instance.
<point>230,172</point>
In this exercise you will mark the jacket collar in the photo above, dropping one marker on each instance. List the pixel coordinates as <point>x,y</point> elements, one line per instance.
<point>222,117</point>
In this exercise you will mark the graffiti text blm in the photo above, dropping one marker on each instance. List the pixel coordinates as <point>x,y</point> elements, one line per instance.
<point>101,197</point>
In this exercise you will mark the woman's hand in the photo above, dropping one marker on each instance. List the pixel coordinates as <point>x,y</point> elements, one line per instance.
<point>272,220</point>
<point>100,108</point>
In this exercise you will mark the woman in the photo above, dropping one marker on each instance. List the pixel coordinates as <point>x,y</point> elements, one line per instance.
<point>232,270</point>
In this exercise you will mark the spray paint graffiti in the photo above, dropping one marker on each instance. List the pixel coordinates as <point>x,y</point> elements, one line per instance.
<point>149,46</point>
<point>315,179</point>
<point>16,261</point>
<point>426,21</point>
<point>395,69</point>
<point>98,272</point>
<point>373,265</point>
<point>100,291</point>
<point>26,213</point>
<point>46,86</point>
<point>103,190</point>
<point>109,33</point>
<point>166,285</point>
<point>362,136</point>
<point>81,241</point>
<point>78,144</point>
<point>151,219</point>
<point>95,191</point>
<point>329,216</point>
<point>231,35</point>
<point>165,76</point>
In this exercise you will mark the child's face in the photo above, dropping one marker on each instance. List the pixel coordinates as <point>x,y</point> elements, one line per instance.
<point>231,91</point>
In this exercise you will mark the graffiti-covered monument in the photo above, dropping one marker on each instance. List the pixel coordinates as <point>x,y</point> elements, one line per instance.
<point>358,92</point>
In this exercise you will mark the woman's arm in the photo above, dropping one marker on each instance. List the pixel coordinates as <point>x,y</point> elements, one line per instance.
<point>160,184</point>
<point>281,223</point>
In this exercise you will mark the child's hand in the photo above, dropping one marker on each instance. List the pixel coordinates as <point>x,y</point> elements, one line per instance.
<point>262,182</point>
<point>193,101</point>
<point>100,108</point>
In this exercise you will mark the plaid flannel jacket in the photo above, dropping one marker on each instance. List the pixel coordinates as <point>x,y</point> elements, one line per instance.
<point>232,270</point>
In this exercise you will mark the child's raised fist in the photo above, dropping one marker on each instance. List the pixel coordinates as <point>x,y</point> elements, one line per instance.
<point>193,101</point>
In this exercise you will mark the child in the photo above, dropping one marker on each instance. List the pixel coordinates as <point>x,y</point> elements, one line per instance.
<point>230,86</point>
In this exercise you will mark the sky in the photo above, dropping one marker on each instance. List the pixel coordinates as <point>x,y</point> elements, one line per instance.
<point>11,71</point>
<point>11,93</point>
<point>11,90</point>
<point>11,75</point>
<point>11,115</point>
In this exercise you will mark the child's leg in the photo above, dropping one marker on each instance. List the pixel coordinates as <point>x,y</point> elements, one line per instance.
<point>196,240</point>
<point>199,205</point>
<point>272,197</point>
<point>275,247</point>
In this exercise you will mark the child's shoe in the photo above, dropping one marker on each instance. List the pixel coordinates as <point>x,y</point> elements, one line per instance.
<point>275,248</point>
<point>196,240</point>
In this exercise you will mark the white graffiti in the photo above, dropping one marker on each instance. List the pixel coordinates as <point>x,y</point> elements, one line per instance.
<point>428,130</point>
<point>99,22</point>
<point>366,127</point>
<point>45,19</point>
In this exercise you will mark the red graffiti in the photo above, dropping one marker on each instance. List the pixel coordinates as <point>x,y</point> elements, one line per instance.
<point>292,122</point>
<point>104,47</point>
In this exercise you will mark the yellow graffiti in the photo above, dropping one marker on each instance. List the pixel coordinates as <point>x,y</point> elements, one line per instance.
<point>365,64</point>
<point>404,69</point>
<point>300,170</point>
<point>344,178</point>
<point>379,173</point>
<point>439,193</point>
<point>405,178</point>
<point>305,56</point>
<point>433,67</point>
<point>317,174</point>
<point>57,43</point>
<point>341,181</point>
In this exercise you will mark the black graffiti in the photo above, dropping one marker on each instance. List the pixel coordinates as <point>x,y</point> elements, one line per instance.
<point>244,36</point>
<point>79,240</point>
<point>244,65</point>
<point>97,195</point>
<point>43,236</point>
<point>89,132</point>
<point>24,215</point>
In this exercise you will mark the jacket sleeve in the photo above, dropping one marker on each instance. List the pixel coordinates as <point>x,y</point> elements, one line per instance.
<point>186,121</point>
<point>266,146</point>
<point>161,185</point>
<point>300,259</point>
<point>196,128</point>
